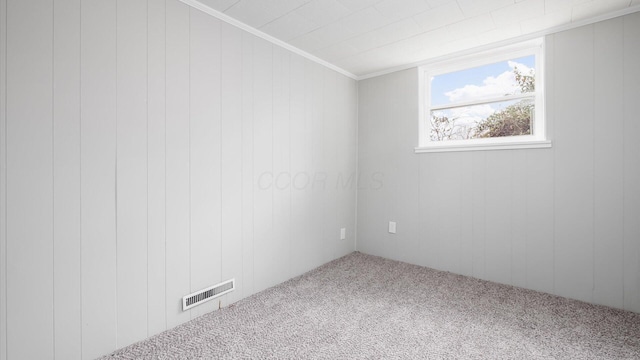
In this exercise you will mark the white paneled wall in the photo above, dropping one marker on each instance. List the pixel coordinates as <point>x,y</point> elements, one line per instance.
<point>29,261</point>
<point>3,180</point>
<point>131,170</point>
<point>563,220</point>
<point>631,164</point>
<point>66,180</point>
<point>178,167</point>
<point>156,167</point>
<point>150,150</point>
<point>98,196</point>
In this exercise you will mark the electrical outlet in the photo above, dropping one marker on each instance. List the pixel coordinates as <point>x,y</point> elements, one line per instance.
<point>392,227</point>
<point>343,234</point>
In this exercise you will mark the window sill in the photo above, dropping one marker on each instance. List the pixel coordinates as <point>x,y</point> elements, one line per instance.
<point>540,144</point>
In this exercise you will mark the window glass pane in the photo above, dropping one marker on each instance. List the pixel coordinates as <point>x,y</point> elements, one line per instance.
<point>508,77</point>
<point>497,119</point>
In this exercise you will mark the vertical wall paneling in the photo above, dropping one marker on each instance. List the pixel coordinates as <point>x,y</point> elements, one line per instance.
<point>280,181</point>
<point>342,158</point>
<point>631,155</point>
<point>447,198</point>
<point>466,214</point>
<point>131,171</point>
<point>498,192</point>
<point>402,201</point>
<point>406,186</point>
<point>518,210</point>
<point>345,160</point>
<point>574,150</point>
<point>66,180</point>
<point>331,232</point>
<point>147,125</point>
<point>3,180</point>
<point>345,180</point>
<point>608,113</point>
<point>156,222</point>
<point>429,246</point>
<point>349,187</point>
<point>364,112</point>
<point>98,177</point>
<point>247,166</point>
<point>373,182</point>
<point>317,175</point>
<point>231,157</point>
<point>364,155</point>
<point>29,188</point>
<point>352,109</point>
<point>302,181</point>
<point>298,159</point>
<point>177,162</point>
<point>263,163</point>
<point>438,208</point>
<point>387,207</point>
<point>310,252</point>
<point>205,154</point>
<point>539,187</point>
<point>479,214</point>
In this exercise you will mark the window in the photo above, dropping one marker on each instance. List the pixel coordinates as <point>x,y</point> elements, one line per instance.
<point>491,100</point>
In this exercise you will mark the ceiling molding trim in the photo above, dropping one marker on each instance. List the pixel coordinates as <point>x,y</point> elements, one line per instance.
<point>553,30</point>
<point>228,19</point>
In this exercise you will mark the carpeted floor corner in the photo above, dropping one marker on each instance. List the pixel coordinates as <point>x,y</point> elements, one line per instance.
<point>366,307</point>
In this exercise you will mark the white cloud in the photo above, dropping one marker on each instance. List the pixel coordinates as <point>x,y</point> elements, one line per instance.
<point>503,84</point>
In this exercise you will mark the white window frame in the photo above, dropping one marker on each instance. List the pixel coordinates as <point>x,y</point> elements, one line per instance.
<point>537,140</point>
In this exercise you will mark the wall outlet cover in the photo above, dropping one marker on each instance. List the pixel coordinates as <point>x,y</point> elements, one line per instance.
<point>343,234</point>
<point>392,227</point>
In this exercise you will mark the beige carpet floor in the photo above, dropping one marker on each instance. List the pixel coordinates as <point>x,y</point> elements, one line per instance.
<point>366,307</point>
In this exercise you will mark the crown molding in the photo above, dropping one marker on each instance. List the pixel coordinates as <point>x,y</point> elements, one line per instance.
<point>239,24</point>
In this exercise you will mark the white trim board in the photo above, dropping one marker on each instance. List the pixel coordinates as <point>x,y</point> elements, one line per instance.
<point>228,19</point>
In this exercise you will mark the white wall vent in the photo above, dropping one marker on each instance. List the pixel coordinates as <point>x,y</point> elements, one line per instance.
<point>210,293</point>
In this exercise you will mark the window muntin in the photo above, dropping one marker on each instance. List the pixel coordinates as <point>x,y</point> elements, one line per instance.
<point>490,98</point>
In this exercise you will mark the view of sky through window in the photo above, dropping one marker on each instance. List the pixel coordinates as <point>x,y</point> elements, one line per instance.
<point>490,116</point>
<point>486,80</point>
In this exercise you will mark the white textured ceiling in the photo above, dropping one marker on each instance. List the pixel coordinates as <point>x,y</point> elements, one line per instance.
<point>368,36</point>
